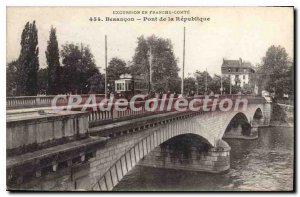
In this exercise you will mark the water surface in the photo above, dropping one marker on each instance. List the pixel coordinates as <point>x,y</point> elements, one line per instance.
<point>264,164</point>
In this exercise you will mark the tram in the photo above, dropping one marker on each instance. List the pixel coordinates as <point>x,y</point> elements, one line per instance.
<point>128,86</point>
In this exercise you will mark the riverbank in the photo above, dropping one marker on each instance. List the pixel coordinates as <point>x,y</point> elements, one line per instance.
<point>281,124</point>
<point>282,115</point>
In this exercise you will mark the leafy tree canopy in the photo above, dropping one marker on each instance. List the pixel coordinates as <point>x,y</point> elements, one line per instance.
<point>54,69</point>
<point>164,64</point>
<point>78,66</point>
<point>275,74</point>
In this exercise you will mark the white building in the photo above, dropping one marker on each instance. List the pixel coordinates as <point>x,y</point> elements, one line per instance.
<point>240,72</point>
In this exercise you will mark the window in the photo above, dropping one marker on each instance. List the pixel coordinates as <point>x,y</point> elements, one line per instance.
<point>236,70</point>
<point>236,79</point>
<point>244,76</point>
<point>118,86</point>
<point>136,85</point>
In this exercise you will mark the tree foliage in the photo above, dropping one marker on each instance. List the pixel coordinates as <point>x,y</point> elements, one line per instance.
<point>12,70</point>
<point>96,83</point>
<point>116,67</point>
<point>28,61</point>
<point>276,72</point>
<point>226,84</point>
<point>78,66</point>
<point>190,85</point>
<point>164,64</point>
<point>52,56</point>
<point>42,80</point>
<point>201,80</point>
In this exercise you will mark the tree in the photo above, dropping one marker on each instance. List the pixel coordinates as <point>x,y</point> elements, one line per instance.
<point>226,84</point>
<point>215,84</point>
<point>78,66</point>
<point>116,67</point>
<point>201,79</point>
<point>28,61</point>
<point>164,64</point>
<point>248,88</point>
<point>12,78</point>
<point>274,73</point>
<point>96,84</point>
<point>190,85</point>
<point>42,83</point>
<point>52,56</point>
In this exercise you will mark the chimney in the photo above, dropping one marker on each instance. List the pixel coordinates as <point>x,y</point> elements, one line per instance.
<point>240,61</point>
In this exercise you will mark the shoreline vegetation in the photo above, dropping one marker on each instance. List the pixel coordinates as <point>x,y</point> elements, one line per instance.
<point>282,116</point>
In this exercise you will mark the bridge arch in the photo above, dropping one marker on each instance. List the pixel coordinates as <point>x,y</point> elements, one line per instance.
<point>238,126</point>
<point>258,113</point>
<point>140,149</point>
<point>210,126</point>
<point>258,118</point>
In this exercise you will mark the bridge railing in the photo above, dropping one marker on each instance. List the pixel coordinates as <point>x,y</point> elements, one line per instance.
<point>41,101</point>
<point>99,115</point>
<point>110,113</point>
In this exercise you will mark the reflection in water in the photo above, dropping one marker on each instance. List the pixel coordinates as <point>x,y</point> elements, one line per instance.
<point>264,164</point>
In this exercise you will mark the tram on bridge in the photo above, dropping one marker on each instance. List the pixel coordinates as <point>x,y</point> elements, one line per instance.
<point>128,86</point>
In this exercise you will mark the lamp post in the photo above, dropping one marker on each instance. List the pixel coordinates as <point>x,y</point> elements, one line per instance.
<point>230,84</point>
<point>105,66</point>
<point>183,62</point>
<point>197,89</point>
<point>221,85</point>
<point>150,63</point>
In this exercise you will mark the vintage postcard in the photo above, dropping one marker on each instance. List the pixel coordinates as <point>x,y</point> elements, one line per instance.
<point>150,99</point>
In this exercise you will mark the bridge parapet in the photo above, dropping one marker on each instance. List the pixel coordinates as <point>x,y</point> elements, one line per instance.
<point>27,132</point>
<point>39,101</point>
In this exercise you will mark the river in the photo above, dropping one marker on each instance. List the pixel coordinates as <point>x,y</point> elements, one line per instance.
<point>263,164</point>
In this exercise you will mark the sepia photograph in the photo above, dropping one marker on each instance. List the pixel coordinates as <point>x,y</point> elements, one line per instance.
<point>150,99</point>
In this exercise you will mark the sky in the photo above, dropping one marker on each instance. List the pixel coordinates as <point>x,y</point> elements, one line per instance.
<point>230,33</point>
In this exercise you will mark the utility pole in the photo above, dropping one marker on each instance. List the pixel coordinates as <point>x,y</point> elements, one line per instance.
<point>221,85</point>
<point>150,74</point>
<point>206,81</point>
<point>105,66</point>
<point>229,84</point>
<point>183,61</point>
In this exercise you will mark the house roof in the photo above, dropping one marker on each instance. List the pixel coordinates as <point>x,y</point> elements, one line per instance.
<point>231,63</point>
<point>236,64</point>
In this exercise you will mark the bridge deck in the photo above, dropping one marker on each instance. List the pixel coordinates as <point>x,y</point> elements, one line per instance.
<point>49,152</point>
<point>26,110</point>
<point>10,117</point>
<point>115,127</point>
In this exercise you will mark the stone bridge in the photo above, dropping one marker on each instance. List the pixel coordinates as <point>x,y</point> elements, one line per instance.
<point>210,126</point>
<point>99,161</point>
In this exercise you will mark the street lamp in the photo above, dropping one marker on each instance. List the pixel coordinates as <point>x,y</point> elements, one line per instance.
<point>108,87</point>
<point>221,85</point>
<point>196,83</point>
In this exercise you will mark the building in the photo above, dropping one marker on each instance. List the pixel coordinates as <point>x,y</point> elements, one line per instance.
<point>240,72</point>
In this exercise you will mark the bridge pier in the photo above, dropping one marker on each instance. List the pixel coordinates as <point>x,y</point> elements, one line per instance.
<point>241,131</point>
<point>191,156</point>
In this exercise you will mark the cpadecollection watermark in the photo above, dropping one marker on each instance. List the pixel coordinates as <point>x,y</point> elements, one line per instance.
<point>141,102</point>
